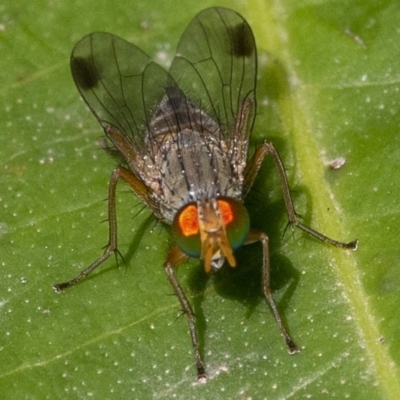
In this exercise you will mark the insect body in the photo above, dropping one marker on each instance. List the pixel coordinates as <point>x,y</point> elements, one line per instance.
<point>183,137</point>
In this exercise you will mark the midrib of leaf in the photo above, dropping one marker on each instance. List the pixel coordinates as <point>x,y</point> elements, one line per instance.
<point>295,108</point>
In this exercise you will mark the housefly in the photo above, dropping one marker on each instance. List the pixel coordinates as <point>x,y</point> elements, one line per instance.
<point>183,136</point>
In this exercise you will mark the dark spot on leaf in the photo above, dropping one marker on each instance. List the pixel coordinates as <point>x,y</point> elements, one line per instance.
<point>84,72</point>
<point>242,40</point>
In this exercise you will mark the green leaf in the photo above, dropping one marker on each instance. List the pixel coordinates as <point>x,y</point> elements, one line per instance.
<point>328,88</point>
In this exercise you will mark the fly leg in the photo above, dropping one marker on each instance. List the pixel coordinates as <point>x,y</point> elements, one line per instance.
<point>258,236</point>
<point>251,172</point>
<point>175,257</point>
<point>111,248</point>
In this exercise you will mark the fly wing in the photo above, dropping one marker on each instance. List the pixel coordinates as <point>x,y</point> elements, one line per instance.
<point>119,82</point>
<point>216,67</point>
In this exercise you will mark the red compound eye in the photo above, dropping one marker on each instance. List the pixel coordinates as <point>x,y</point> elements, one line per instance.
<point>186,228</point>
<point>187,221</point>
<point>186,231</point>
<point>236,220</point>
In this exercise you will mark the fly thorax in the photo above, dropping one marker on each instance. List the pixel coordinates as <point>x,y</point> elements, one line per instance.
<point>195,167</point>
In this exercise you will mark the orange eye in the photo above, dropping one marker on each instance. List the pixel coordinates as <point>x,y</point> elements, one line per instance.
<point>236,220</point>
<point>226,210</point>
<point>188,222</point>
<point>186,232</point>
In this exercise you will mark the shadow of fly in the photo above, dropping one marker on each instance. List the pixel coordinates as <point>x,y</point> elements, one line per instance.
<point>183,135</point>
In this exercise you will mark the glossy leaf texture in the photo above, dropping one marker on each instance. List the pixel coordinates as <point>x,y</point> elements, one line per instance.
<point>328,87</point>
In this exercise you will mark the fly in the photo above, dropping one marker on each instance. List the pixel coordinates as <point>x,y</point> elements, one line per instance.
<point>183,137</point>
